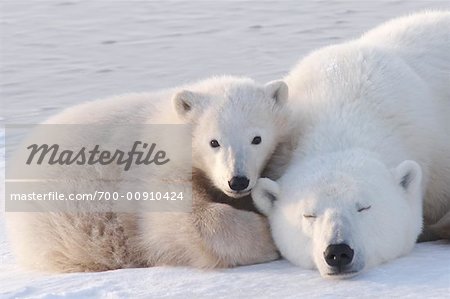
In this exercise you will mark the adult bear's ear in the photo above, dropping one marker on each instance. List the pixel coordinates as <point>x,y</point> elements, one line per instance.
<point>187,104</point>
<point>408,175</point>
<point>264,194</point>
<point>277,90</point>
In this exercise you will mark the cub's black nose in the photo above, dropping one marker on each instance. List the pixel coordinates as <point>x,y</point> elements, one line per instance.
<point>338,255</point>
<point>238,183</point>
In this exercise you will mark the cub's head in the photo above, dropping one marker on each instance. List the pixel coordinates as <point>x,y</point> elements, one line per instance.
<point>342,218</point>
<point>237,125</point>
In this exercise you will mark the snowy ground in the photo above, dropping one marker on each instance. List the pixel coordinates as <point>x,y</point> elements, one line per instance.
<point>420,275</point>
<point>54,54</point>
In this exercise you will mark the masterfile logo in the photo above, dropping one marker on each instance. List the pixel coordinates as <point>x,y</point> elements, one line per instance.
<point>52,154</point>
<point>92,168</point>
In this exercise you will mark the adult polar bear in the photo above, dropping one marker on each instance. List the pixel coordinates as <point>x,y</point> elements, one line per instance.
<point>248,122</point>
<point>375,119</point>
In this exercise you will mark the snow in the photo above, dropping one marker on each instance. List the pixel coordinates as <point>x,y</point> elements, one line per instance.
<point>423,274</point>
<point>54,54</point>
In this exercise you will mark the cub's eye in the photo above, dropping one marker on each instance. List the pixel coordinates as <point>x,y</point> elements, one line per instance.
<point>256,140</point>
<point>309,216</point>
<point>214,143</point>
<point>364,209</point>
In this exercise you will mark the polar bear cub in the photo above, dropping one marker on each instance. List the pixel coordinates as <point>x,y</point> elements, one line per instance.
<point>374,113</point>
<point>237,128</point>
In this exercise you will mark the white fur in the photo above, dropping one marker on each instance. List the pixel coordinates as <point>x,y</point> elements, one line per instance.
<point>223,108</point>
<point>365,107</point>
<point>238,114</point>
<point>229,109</point>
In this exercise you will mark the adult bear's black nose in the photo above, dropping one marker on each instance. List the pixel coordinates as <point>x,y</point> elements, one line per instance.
<point>238,183</point>
<point>338,255</point>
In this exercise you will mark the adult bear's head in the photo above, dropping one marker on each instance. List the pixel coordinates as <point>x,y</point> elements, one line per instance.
<point>344,212</point>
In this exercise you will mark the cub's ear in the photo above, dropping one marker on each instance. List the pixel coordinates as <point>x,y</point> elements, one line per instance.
<point>277,90</point>
<point>187,104</point>
<point>264,195</point>
<point>408,175</point>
